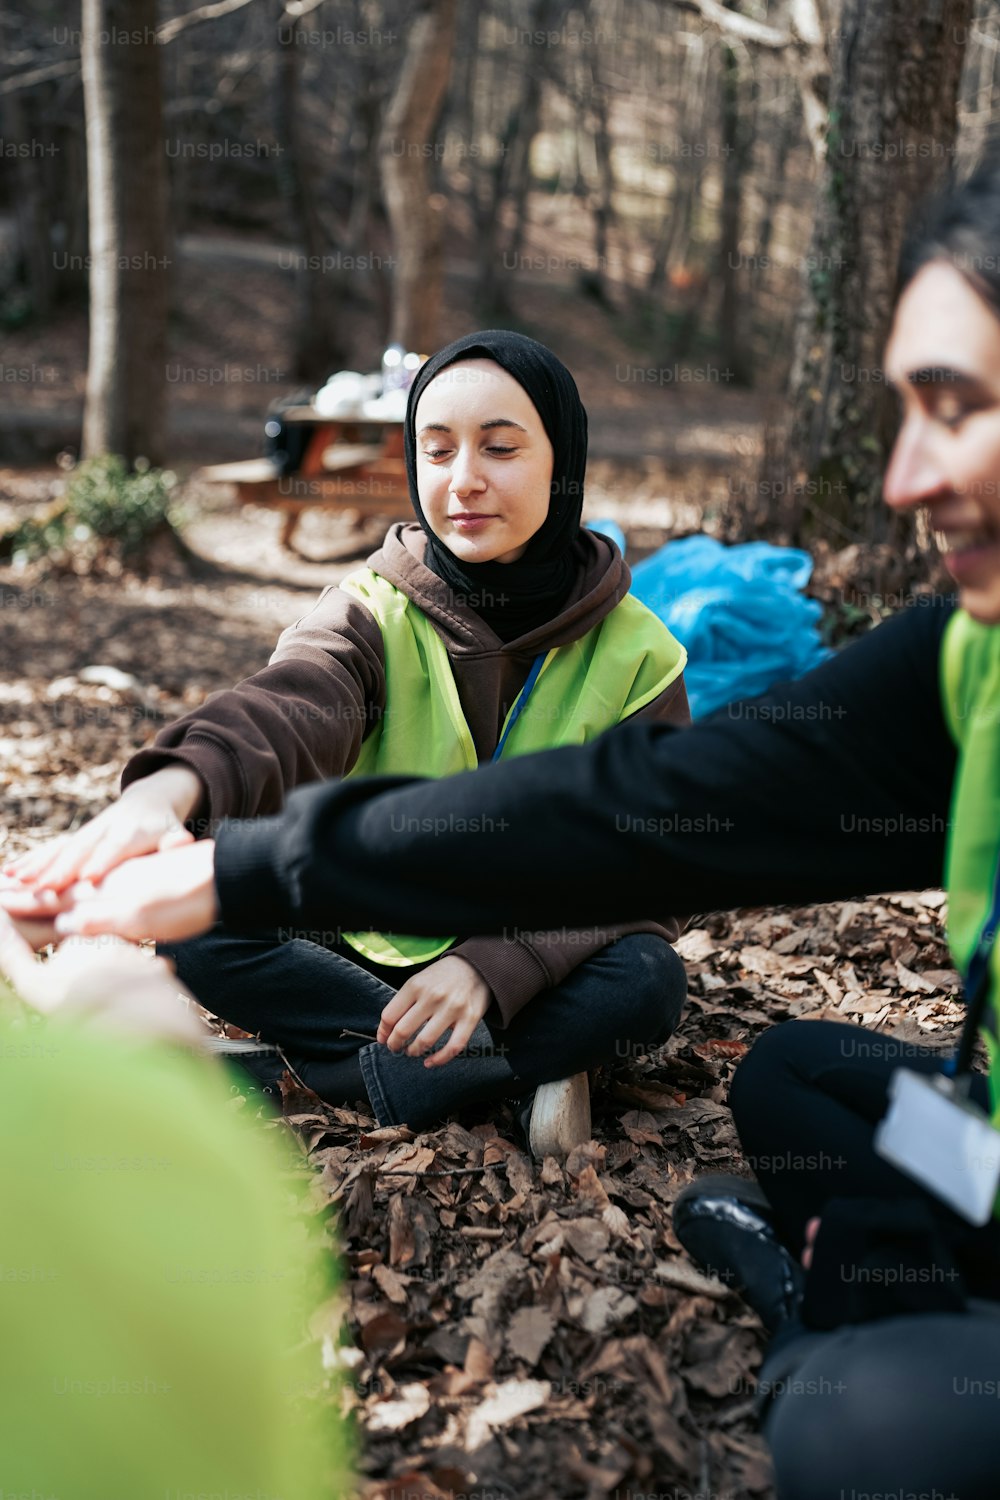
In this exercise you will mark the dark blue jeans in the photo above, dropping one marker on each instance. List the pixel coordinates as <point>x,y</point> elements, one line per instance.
<point>301,995</point>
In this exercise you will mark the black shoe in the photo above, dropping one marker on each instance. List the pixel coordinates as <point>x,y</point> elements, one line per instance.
<point>258,1067</point>
<point>725,1224</point>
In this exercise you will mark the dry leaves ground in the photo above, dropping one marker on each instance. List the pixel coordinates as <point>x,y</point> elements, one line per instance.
<point>514,1329</point>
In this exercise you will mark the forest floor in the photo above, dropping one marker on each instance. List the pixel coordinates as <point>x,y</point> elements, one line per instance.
<point>516,1329</point>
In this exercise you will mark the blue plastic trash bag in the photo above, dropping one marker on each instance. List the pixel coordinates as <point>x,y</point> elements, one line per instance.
<point>739,612</point>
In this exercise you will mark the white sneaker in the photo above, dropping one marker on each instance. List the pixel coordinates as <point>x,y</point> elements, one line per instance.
<point>560,1117</point>
<point>238,1046</point>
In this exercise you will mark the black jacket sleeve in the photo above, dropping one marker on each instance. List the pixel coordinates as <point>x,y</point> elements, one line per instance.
<point>835,785</point>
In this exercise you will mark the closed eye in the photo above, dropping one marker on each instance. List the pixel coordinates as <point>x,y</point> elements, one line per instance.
<point>951,412</point>
<point>494,448</point>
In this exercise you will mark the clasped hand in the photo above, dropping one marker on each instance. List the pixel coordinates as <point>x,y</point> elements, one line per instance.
<point>169,896</point>
<point>133,871</point>
<point>165,897</point>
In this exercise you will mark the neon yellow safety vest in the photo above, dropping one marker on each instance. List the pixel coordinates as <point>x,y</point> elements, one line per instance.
<point>970,691</point>
<point>624,663</point>
<point>148,1255</point>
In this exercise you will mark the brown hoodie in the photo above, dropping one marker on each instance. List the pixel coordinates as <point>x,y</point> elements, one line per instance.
<point>304,716</point>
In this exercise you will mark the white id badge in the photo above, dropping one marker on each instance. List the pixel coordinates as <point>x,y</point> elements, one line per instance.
<point>943,1141</point>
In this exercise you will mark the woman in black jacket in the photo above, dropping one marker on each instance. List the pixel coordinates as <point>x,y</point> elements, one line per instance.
<point>878,771</point>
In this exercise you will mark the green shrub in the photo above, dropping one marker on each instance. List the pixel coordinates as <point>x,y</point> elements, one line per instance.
<point>108,511</point>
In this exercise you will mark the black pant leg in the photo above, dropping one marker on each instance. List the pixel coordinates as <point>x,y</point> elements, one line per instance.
<point>899,1407</point>
<point>806,1101</point>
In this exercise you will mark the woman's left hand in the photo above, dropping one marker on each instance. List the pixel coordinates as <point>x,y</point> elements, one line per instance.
<point>448,993</point>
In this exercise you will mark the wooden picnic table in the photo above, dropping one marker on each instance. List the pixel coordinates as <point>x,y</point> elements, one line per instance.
<point>351,463</point>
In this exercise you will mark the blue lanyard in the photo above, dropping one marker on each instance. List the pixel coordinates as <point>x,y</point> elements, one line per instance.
<point>522,698</point>
<point>977,989</point>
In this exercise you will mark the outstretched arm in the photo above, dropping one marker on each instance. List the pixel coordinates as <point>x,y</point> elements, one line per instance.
<point>299,720</point>
<point>835,785</point>
<point>831,786</point>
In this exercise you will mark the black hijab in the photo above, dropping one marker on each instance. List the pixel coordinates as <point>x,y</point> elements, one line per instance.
<point>516,597</point>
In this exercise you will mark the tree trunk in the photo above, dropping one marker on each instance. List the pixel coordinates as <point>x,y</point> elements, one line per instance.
<point>489,176</point>
<point>124,411</point>
<point>408,141</point>
<point>670,247</point>
<point>25,124</point>
<point>894,84</point>
<point>770,192</point>
<point>595,283</point>
<point>519,136</point>
<point>520,162</point>
<point>74,208</point>
<point>736,135</point>
<point>320,345</point>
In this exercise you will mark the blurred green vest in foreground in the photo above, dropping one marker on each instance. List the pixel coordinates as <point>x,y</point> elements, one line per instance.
<point>155,1282</point>
<point>970,690</point>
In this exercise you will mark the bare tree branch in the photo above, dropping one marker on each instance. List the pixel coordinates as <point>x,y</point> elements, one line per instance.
<point>984,39</point>
<point>39,75</point>
<point>731,22</point>
<point>810,64</point>
<point>806,50</point>
<point>807,23</point>
<point>170,29</point>
<point>164,34</point>
<point>296,9</point>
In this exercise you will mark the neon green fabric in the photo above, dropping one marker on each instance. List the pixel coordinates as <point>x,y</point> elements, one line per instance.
<point>624,663</point>
<point>970,680</point>
<point>155,1281</point>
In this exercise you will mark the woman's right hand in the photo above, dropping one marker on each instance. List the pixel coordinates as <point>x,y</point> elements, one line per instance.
<point>147,818</point>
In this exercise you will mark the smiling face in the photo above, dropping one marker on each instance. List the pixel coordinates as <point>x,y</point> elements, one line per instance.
<point>484,462</point>
<point>943,357</point>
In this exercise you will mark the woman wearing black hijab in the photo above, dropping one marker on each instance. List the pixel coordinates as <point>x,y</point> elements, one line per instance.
<point>534,588</point>
<point>495,626</point>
